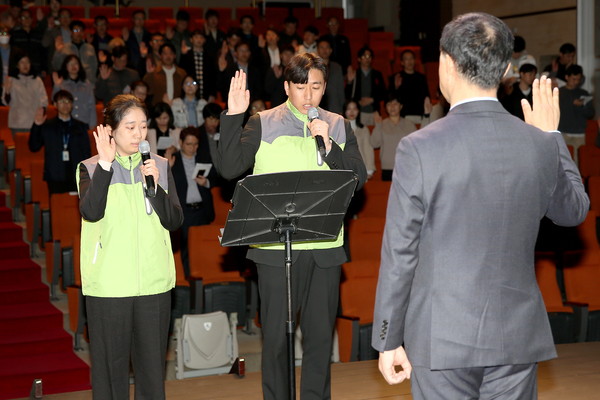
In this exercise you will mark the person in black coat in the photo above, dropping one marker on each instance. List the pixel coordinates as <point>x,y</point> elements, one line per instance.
<point>199,64</point>
<point>65,141</point>
<point>192,190</point>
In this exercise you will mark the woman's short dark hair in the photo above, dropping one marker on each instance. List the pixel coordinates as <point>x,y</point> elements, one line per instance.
<point>119,106</point>
<point>63,73</point>
<point>212,110</point>
<point>480,45</point>
<point>299,66</point>
<point>157,111</point>
<point>17,55</point>
<point>189,131</point>
<point>62,94</point>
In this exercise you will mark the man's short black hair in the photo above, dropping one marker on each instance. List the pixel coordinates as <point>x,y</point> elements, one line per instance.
<point>211,13</point>
<point>363,50</point>
<point>77,23</point>
<point>480,45</point>
<point>182,15</point>
<point>60,11</point>
<point>299,66</point>
<point>407,51</point>
<point>246,16</point>
<point>567,48</point>
<point>527,67</point>
<point>574,70</point>
<point>98,18</point>
<point>393,96</point>
<point>519,44</point>
<point>62,94</point>
<point>212,110</point>
<point>290,20</point>
<point>169,45</point>
<point>324,39</point>
<point>312,29</point>
<point>242,43</point>
<point>136,12</point>
<point>119,51</point>
<point>198,32</point>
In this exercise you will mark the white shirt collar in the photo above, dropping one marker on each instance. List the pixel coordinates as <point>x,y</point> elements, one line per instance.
<point>473,99</point>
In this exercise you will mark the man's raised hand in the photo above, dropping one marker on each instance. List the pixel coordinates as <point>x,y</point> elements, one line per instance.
<point>239,96</point>
<point>545,112</point>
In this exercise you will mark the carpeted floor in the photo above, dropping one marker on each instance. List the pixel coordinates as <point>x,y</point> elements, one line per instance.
<point>33,343</point>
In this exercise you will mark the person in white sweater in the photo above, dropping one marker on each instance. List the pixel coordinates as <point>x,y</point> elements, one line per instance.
<point>187,109</point>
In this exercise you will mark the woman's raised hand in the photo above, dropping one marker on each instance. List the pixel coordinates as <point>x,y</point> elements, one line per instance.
<point>239,96</point>
<point>105,143</point>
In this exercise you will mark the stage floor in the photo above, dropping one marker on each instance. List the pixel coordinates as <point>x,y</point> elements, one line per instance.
<point>574,375</point>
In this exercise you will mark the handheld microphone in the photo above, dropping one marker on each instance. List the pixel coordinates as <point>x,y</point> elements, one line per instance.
<point>313,114</point>
<point>150,186</point>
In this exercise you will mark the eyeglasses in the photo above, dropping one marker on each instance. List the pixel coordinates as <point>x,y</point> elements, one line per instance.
<point>4,34</point>
<point>157,40</point>
<point>77,30</point>
<point>64,101</point>
<point>366,56</point>
<point>193,83</point>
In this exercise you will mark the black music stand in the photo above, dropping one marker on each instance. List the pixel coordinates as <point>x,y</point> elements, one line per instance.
<point>289,207</point>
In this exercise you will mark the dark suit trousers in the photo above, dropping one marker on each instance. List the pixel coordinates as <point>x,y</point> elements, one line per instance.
<point>315,292</point>
<point>123,327</point>
<point>503,382</point>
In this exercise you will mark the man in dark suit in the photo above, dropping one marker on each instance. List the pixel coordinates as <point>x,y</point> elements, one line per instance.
<point>457,286</point>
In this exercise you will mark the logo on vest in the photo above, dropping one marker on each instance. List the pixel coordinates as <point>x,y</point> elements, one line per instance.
<point>207,326</point>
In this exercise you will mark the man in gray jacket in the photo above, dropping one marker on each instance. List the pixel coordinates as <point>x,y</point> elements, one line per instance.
<point>457,306</point>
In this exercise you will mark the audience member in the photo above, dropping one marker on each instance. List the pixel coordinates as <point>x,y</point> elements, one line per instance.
<point>340,44</point>
<point>24,93</point>
<point>256,106</point>
<point>270,49</point>
<point>410,86</point>
<point>333,99</point>
<point>521,89</point>
<point>363,136</point>
<point>84,51</point>
<point>289,36</point>
<point>247,35</point>
<point>140,90</point>
<point>366,86</point>
<point>193,190</point>
<point>45,22</point>
<point>227,70</point>
<point>198,64</point>
<point>232,38</point>
<point>137,41</point>
<point>309,44</point>
<point>164,83</point>
<point>187,109</point>
<point>162,124</point>
<point>72,77</point>
<point>5,56</point>
<point>274,89</point>
<point>210,128</point>
<point>387,134</point>
<point>576,107</point>
<point>101,38</point>
<point>214,36</point>
<point>116,79</point>
<point>65,141</point>
<point>557,70</point>
<point>181,34</point>
<point>519,57</point>
<point>439,109</point>
<point>153,62</point>
<point>57,35</point>
<point>29,39</point>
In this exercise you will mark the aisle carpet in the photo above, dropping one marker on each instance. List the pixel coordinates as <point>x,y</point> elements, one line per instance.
<point>33,343</point>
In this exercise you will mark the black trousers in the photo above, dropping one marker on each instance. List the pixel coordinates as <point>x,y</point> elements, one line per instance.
<point>128,329</point>
<point>315,293</point>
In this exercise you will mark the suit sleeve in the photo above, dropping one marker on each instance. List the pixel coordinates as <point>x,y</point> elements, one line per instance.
<point>237,146</point>
<point>399,252</point>
<point>166,205</point>
<point>349,158</point>
<point>569,203</point>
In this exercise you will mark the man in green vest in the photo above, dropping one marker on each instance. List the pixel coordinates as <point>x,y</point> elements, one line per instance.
<point>279,140</point>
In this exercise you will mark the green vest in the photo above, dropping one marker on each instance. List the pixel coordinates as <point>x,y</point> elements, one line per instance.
<point>286,146</point>
<point>127,252</point>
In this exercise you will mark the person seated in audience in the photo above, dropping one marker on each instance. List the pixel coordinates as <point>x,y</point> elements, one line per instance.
<point>309,45</point>
<point>228,69</point>
<point>212,120</point>
<point>65,141</point>
<point>274,89</point>
<point>181,34</point>
<point>140,90</point>
<point>333,99</point>
<point>340,44</point>
<point>256,106</point>
<point>72,77</point>
<point>162,125</point>
<point>232,38</point>
<point>116,79</point>
<point>28,38</point>
<point>269,48</point>
<point>520,89</point>
<point>214,36</point>
<point>101,38</point>
<point>84,51</point>
<point>187,109</point>
<point>557,70</point>
<point>289,36</point>
<point>197,63</point>
<point>193,187</point>
<point>366,86</point>
<point>137,41</point>
<point>411,86</point>
<point>247,35</point>
<point>576,107</point>
<point>165,82</point>
<point>387,134</point>
<point>363,136</point>
<point>23,92</point>
<point>57,34</point>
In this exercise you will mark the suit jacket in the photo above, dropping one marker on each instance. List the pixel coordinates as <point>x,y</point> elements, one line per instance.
<point>378,91</point>
<point>457,282</point>
<point>209,71</point>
